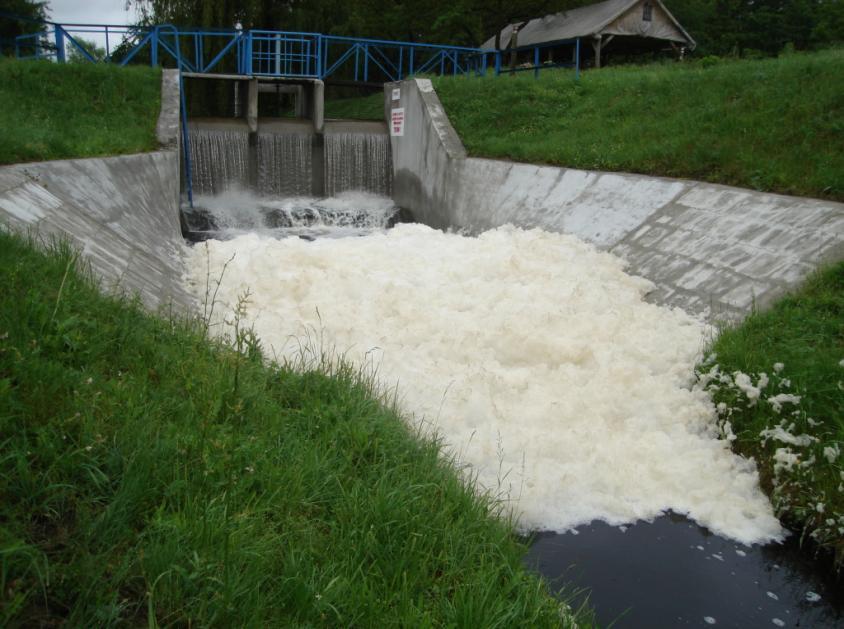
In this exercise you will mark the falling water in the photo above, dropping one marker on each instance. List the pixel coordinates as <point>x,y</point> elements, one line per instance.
<point>219,159</point>
<point>289,163</point>
<point>357,161</point>
<point>285,164</point>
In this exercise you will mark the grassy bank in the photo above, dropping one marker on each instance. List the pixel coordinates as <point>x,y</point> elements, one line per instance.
<point>151,476</point>
<point>773,125</point>
<point>51,111</point>
<point>361,108</point>
<point>779,382</point>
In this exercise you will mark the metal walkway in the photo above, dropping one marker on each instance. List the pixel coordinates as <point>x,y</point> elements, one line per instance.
<point>262,53</point>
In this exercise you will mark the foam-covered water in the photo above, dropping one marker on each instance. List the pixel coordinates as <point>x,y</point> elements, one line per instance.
<point>236,212</point>
<point>533,354</point>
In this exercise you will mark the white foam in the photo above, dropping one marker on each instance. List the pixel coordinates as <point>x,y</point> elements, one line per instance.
<point>533,354</point>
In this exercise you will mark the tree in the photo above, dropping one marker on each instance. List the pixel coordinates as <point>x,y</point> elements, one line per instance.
<point>29,17</point>
<point>74,55</point>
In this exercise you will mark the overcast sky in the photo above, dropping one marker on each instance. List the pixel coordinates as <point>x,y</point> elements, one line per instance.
<point>91,11</point>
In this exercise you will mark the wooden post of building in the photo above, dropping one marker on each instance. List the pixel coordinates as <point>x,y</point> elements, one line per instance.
<point>596,46</point>
<point>514,43</point>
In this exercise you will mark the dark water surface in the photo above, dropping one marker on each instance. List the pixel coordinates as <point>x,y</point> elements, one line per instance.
<point>674,573</point>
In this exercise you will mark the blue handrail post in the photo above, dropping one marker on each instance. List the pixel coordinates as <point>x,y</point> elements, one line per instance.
<point>401,61</point>
<point>497,63</point>
<point>366,63</point>
<point>410,71</point>
<point>153,48</point>
<point>577,60</point>
<point>536,62</point>
<point>357,55</point>
<point>59,35</point>
<point>197,52</point>
<point>318,71</point>
<point>248,56</point>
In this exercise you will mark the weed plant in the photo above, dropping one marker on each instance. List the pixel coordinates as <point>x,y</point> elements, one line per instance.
<point>51,111</point>
<point>778,380</point>
<point>149,475</point>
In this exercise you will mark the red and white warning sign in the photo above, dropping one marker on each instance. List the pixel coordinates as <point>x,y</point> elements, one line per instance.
<point>397,121</point>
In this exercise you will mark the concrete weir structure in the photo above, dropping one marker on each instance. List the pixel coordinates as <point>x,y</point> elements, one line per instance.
<point>713,250</point>
<point>122,212</point>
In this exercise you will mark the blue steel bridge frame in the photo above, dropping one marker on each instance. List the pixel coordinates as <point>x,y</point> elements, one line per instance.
<point>268,53</point>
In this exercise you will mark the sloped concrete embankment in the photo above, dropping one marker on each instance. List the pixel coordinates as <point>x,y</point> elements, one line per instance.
<point>710,249</point>
<point>122,212</point>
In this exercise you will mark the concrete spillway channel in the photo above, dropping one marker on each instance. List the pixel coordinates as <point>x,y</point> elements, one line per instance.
<point>560,379</point>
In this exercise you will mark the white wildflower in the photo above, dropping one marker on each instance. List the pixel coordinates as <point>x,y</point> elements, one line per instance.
<point>820,507</point>
<point>778,367</point>
<point>763,380</point>
<point>831,453</point>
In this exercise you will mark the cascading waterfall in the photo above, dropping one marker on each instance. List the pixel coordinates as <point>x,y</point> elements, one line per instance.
<point>285,164</point>
<point>357,161</point>
<point>219,159</point>
<point>279,164</point>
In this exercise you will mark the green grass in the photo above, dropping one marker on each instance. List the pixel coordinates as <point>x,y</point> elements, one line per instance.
<point>149,475</point>
<point>804,332</point>
<point>362,108</point>
<point>50,111</point>
<point>774,125</point>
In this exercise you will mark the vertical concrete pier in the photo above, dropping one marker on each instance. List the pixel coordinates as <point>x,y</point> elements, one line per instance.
<point>308,94</point>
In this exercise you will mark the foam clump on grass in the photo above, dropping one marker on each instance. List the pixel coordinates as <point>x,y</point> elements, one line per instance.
<point>800,459</point>
<point>532,354</point>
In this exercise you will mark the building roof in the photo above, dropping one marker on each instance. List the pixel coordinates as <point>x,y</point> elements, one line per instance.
<point>594,20</point>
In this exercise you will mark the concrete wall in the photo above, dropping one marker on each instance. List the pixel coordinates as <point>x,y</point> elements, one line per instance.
<point>122,212</point>
<point>709,249</point>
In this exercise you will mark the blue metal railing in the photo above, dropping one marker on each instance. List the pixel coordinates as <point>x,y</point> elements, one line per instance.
<point>534,53</point>
<point>269,53</point>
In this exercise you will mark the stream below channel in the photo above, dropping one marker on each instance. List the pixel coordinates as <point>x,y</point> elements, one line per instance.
<point>669,572</point>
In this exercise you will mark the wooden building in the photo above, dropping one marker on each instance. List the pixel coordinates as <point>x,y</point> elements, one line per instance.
<point>630,26</point>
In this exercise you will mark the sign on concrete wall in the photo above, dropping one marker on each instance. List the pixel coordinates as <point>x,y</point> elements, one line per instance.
<point>396,93</point>
<point>397,122</point>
